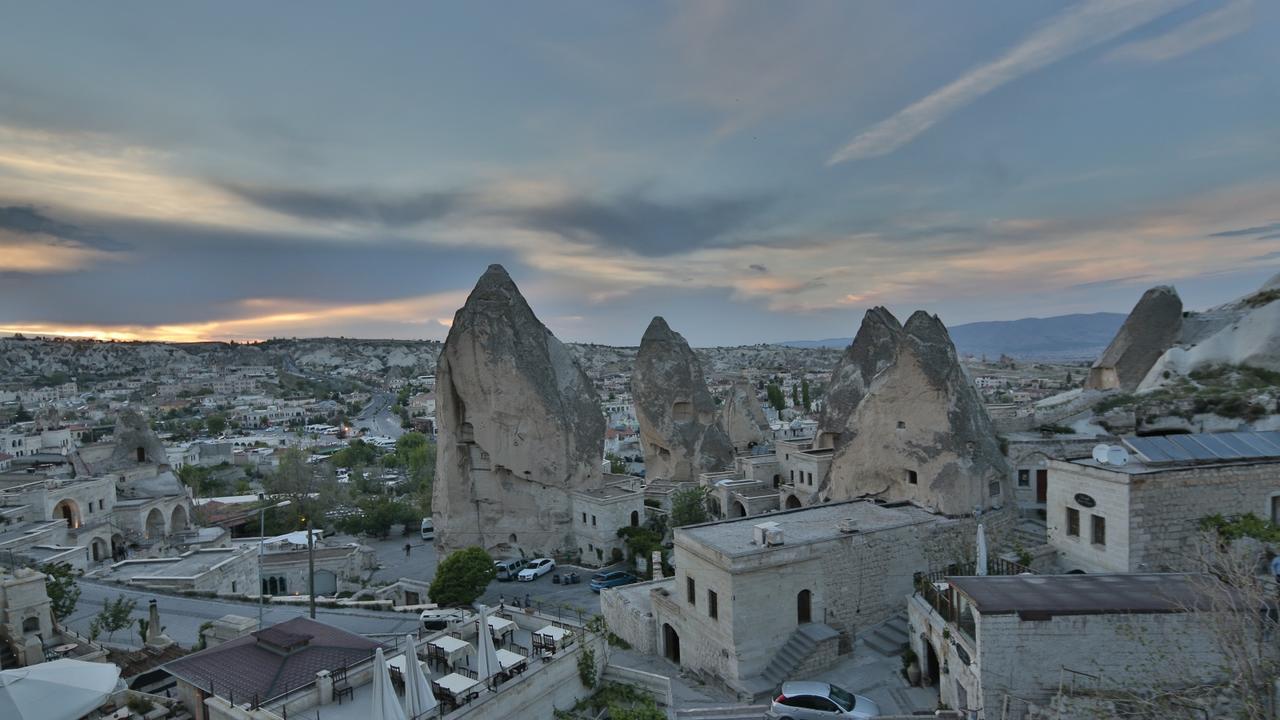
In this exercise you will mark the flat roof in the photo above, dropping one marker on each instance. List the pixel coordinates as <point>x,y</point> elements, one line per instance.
<point>1101,594</point>
<point>190,565</point>
<point>804,525</point>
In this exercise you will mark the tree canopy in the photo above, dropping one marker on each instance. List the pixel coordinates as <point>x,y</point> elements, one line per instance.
<point>462,577</point>
<point>689,507</point>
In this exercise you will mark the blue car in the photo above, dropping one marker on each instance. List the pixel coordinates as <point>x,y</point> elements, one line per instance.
<point>603,580</point>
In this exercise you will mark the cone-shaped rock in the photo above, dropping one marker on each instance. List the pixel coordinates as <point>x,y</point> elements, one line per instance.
<point>918,431</point>
<point>1152,327</point>
<point>520,428</point>
<point>743,418</point>
<point>679,428</point>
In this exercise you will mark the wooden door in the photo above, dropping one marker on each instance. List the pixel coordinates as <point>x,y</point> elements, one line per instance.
<point>1042,486</point>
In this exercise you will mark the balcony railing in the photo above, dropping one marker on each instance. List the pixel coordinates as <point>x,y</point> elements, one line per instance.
<point>934,589</point>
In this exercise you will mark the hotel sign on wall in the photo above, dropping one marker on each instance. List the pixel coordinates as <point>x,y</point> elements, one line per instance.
<point>1085,500</point>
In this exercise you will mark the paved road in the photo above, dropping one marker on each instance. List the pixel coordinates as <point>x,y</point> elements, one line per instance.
<point>380,417</point>
<point>182,616</point>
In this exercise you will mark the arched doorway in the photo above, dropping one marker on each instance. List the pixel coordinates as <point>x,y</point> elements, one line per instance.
<point>68,510</point>
<point>99,549</point>
<point>178,520</point>
<point>117,547</point>
<point>670,644</point>
<point>635,518</point>
<point>155,524</point>
<point>804,607</point>
<point>737,510</point>
<point>793,502</point>
<point>931,670</point>
<point>326,582</point>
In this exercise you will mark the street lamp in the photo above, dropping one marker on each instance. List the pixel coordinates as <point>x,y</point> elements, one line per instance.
<point>262,536</point>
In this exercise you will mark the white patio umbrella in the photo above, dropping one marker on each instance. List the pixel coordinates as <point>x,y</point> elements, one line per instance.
<point>56,690</point>
<point>385,704</point>
<point>418,698</point>
<point>982,550</point>
<point>487,656</point>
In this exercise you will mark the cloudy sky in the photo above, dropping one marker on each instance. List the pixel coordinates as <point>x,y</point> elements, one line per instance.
<point>754,171</point>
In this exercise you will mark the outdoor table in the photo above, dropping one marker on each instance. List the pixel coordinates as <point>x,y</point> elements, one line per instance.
<point>501,628</point>
<point>457,687</point>
<point>512,663</point>
<point>398,663</point>
<point>558,637</point>
<point>451,648</point>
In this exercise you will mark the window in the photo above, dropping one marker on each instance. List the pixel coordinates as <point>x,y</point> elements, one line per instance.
<point>584,518</point>
<point>1099,530</point>
<point>1024,478</point>
<point>810,478</point>
<point>994,488</point>
<point>912,478</point>
<point>713,604</point>
<point>690,591</point>
<point>793,477</point>
<point>1073,522</point>
<point>593,520</point>
<point>902,425</point>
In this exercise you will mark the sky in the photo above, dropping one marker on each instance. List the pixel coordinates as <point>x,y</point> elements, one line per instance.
<point>752,171</point>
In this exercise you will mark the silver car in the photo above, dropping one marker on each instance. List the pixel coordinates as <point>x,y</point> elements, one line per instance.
<point>820,701</point>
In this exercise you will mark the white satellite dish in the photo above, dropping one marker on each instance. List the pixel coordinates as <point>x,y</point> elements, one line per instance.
<point>1117,455</point>
<point>1101,453</point>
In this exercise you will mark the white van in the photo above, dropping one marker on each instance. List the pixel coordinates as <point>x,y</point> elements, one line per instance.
<point>506,570</point>
<point>428,529</point>
<point>436,619</point>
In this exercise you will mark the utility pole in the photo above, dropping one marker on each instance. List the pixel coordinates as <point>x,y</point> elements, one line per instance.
<point>311,569</point>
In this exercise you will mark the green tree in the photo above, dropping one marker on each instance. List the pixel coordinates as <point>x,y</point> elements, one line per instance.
<point>115,615</point>
<point>216,424</point>
<point>22,415</point>
<point>462,577</point>
<point>689,506</point>
<point>804,395</point>
<point>417,455</point>
<point>311,489</point>
<point>795,396</point>
<point>60,585</point>
<point>776,398</point>
<point>616,464</point>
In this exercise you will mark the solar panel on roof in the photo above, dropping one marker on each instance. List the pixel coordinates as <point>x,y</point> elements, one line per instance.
<point>1214,443</point>
<point>1172,449</point>
<point>1193,448</point>
<point>1207,447</point>
<point>1245,449</point>
<point>1144,448</point>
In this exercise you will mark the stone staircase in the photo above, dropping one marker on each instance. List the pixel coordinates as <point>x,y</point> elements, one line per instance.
<point>791,655</point>
<point>1030,533</point>
<point>888,638</point>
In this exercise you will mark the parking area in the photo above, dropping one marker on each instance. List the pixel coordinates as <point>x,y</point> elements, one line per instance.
<point>420,564</point>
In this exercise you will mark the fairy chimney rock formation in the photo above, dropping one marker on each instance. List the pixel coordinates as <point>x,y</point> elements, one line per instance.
<point>520,428</point>
<point>905,423</point>
<point>743,418</point>
<point>679,423</point>
<point>1152,327</point>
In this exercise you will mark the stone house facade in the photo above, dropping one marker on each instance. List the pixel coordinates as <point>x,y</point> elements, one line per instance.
<point>1029,455</point>
<point>995,645</point>
<point>1139,517</point>
<point>598,513</point>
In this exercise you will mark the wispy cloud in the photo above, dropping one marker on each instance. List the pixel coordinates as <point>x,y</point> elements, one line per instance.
<point>1211,27</point>
<point>1261,230</point>
<point>1081,27</point>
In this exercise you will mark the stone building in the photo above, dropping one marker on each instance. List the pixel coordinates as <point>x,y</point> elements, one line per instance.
<point>904,422</point>
<point>26,622</point>
<point>680,428</point>
<point>1140,509</point>
<point>844,567</point>
<point>599,512</point>
<point>994,646</point>
<point>1029,454</point>
<point>520,429</point>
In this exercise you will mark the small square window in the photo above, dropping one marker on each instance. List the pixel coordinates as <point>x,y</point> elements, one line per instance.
<point>713,604</point>
<point>902,425</point>
<point>912,478</point>
<point>1073,522</point>
<point>1024,478</point>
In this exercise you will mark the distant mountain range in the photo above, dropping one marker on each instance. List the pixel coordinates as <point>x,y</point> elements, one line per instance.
<point>1062,337</point>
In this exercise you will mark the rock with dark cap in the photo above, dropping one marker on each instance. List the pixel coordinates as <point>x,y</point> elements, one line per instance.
<point>679,423</point>
<point>520,428</point>
<point>907,425</point>
<point>1153,326</point>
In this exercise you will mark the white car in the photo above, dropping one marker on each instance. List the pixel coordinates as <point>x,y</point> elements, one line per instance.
<point>536,569</point>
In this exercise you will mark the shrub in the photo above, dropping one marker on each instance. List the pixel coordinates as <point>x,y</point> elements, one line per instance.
<point>462,577</point>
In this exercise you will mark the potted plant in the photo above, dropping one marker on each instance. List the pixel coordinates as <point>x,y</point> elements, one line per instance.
<point>911,666</point>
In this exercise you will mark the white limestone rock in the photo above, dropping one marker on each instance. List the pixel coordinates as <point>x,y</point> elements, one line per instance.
<point>680,431</point>
<point>520,428</point>
<point>743,418</point>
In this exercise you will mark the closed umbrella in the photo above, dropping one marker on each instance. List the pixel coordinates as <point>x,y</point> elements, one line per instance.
<point>56,690</point>
<point>982,550</point>
<point>386,706</point>
<point>487,659</point>
<point>418,698</point>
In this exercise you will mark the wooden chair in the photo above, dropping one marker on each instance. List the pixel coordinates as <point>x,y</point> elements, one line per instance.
<point>342,686</point>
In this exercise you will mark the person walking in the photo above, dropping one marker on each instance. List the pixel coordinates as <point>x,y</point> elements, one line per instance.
<point>407,547</point>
